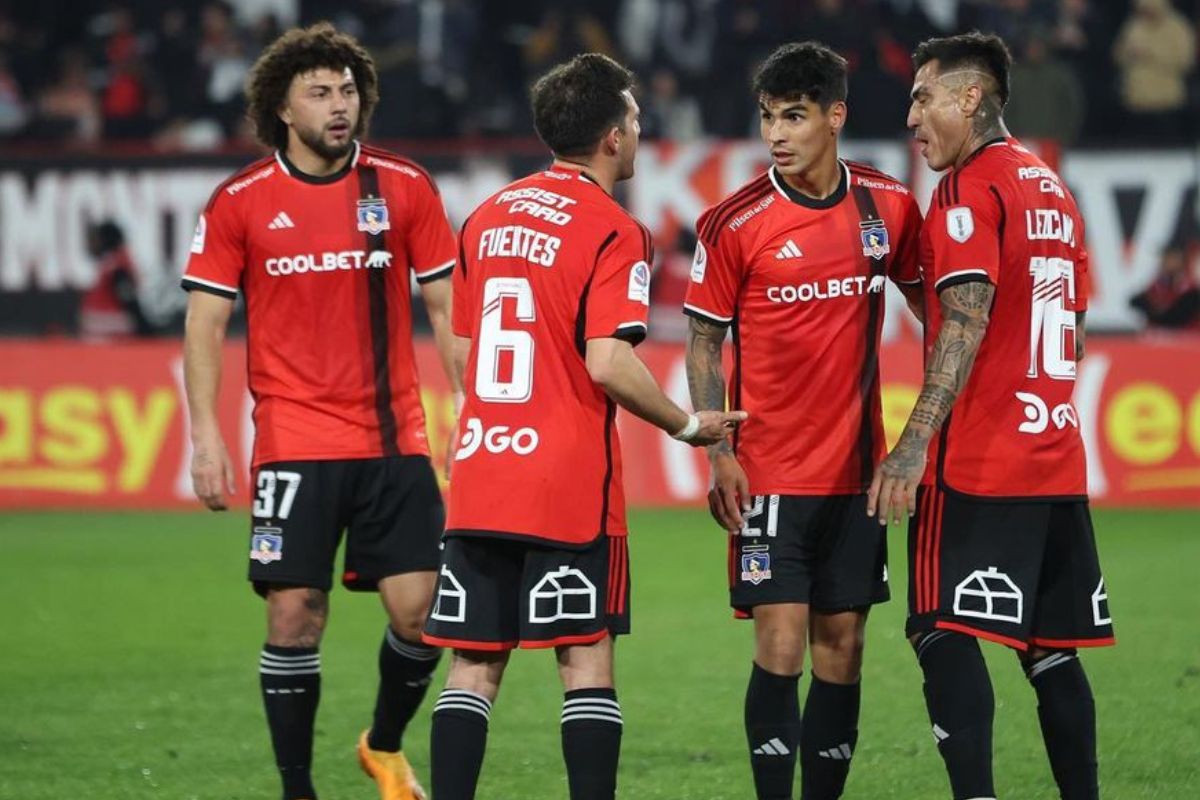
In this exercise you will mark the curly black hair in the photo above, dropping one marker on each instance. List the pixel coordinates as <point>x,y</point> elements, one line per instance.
<point>803,70</point>
<point>296,52</point>
<point>576,103</point>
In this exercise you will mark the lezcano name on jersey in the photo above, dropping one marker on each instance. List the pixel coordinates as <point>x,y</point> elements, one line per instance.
<point>827,290</point>
<point>328,262</point>
<point>517,241</point>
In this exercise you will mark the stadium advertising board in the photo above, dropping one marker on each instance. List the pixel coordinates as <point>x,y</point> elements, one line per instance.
<point>1134,202</point>
<point>104,426</point>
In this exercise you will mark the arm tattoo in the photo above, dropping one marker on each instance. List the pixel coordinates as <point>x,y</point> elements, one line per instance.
<point>706,381</point>
<point>965,310</point>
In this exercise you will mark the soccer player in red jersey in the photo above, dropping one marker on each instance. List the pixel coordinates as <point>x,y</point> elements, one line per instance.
<point>322,239</point>
<point>1000,540</point>
<point>795,264</point>
<point>551,293</point>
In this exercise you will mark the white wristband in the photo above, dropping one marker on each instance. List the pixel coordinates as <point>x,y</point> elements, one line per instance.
<point>686,433</point>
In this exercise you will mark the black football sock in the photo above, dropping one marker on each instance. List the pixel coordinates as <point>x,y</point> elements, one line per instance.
<point>591,742</point>
<point>405,669</point>
<point>772,732</point>
<point>457,741</point>
<point>827,738</point>
<point>1068,716</point>
<point>958,694</point>
<point>290,678</point>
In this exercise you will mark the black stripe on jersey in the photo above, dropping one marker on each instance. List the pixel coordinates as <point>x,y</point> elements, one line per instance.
<point>377,296</point>
<point>869,171</point>
<point>720,208</point>
<point>581,313</point>
<point>736,336</point>
<point>190,285</point>
<point>868,378</point>
<point>430,277</point>
<point>729,209</point>
<point>1003,215</point>
<point>958,280</point>
<point>255,166</point>
<point>954,188</point>
<point>610,415</point>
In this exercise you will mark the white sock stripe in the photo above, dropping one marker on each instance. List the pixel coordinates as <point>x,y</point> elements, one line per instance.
<point>287,662</point>
<point>278,657</point>
<point>1049,662</point>
<point>460,697</point>
<point>599,701</point>
<point>603,709</point>
<point>415,651</point>
<point>446,705</point>
<point>286,667</point>
<point>929,639</point>
<point>575,716</point>
<point>268,671</point>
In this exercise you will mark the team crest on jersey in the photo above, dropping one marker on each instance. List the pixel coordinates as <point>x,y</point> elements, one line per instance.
<point>756,567</point>
<point>266,545</point>
<point>874,239</point>
<point>373,215</point>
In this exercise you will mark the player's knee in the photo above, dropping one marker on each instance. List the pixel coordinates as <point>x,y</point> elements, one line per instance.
<point>296,617</point>
<point>779,649</point>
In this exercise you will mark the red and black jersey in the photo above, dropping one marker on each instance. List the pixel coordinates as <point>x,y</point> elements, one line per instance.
<point>325,266</point>
<point>801,283</point>
<point>1006,218</point>
<point>544,265</point>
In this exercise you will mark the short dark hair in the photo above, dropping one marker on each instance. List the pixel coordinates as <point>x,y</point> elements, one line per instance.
<point>577,102</point>
<point>294,53</point>
<point>803,70</point>
<point>985,52</point>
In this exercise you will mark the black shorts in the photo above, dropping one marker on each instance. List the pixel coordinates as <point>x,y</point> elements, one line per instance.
<point>822,550</point>
<point>390,507</point>
<point>497,594</point>
<point>1018,573</point>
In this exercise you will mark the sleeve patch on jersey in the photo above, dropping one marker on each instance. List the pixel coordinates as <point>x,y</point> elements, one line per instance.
<point>699,262</point>
<point>639,283</point>
<point>960,223</point>
<point>198,236</point>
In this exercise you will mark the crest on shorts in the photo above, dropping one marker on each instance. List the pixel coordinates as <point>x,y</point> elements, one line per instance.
<point>874,239</point>
<point>373,215</point>
<point>266,545</point>
<point>756,567</point>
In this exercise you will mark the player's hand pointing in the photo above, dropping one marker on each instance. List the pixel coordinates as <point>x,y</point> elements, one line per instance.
<point>212,471</point>
<point>709,427</point>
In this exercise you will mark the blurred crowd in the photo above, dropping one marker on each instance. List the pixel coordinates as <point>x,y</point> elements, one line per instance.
<point>171,72</point>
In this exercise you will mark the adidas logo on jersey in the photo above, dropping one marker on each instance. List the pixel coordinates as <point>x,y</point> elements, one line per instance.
<point>773,747</point>
<point>789,250</point>
<point>281,221</point>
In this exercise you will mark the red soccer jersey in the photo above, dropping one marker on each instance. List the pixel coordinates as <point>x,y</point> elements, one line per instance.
<point>801,282</point>
<point>545,264</point>
<point>325,265</point>
<point>1007,218</point>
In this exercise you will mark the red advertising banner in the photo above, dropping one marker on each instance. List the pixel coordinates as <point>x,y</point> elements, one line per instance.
<point>104,425</point>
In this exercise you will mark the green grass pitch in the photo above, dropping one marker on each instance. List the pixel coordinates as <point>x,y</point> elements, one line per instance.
<point>130,646</point>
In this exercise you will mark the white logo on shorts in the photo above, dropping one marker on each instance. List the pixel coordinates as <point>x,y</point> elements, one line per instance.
<point>564,593</point>
<point>1100,614</point>
<point>989,595</point>
<point>451,602</point>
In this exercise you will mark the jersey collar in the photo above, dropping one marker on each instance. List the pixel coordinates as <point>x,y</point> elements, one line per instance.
<point>809,202</point>
<point>292,170</point>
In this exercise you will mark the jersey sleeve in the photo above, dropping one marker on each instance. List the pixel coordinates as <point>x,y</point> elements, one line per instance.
<point>460,302</point>
<point>218,252</point>
<point>965,235</point>
<point>618,301</point>
<point>429,237</point>
<point>905,267</point>
<point>715,278</point>
<point>1083,265</point>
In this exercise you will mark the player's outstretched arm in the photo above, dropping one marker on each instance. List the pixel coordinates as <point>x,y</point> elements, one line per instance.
<point>437,295</point>
<point>914,296</point>
<point>204,334</point>
<point>729,494</point>
<point>612,364</point>
<point>965,309</point>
